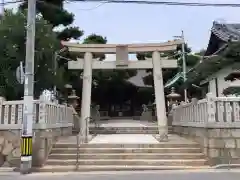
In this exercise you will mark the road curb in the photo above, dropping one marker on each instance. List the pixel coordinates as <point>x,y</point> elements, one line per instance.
<point>3,169</point>
<point>226,166</point>
<point>8,171</point>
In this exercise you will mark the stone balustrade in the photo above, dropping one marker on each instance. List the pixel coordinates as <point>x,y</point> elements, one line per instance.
<point>211,112</point>
<point>214,123</point>
<point>46,115</point>
<point>50,121</point>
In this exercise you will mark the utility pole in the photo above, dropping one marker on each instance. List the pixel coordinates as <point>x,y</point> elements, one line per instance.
<point>27,134</point>
<point>2,7</point>
<point>184,65</point>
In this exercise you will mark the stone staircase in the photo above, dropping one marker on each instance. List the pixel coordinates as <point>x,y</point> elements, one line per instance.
<point>126,130</point>
<point>110,157</point>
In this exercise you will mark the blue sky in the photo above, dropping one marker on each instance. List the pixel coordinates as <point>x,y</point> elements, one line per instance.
<point>128,23</point>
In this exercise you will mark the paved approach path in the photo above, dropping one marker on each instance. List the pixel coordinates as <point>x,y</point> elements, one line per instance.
<point>126,123</point>
<point>132,138</point>
<point>124,138</point>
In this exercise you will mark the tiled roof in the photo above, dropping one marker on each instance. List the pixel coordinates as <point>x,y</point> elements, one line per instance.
<point>226,32</point>
<point>221,33</point>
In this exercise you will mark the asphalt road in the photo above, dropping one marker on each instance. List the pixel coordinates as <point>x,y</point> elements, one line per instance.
<point>149,175</point>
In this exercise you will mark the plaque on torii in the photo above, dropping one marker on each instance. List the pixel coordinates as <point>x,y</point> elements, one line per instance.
<point>121,56</point>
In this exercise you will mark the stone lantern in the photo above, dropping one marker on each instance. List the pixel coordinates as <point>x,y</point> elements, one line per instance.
<point>66,93</point>
<point>68,88</point>
<point>73,99</point>
<point>73,102</point>
<point>173,98</point>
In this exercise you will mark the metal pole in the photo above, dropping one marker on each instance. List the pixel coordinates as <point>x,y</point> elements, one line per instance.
<point>184,66</point>
<point>26,143</point>
<point>3,2</point>
<point>55,73</point>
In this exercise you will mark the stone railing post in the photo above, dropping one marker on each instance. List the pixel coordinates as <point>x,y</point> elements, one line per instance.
<point>2,99</point>
<point>182,113</point>
<point>193,115</point>
<point>40,143</point>
<point>42,113</point>
<point>210,108</point>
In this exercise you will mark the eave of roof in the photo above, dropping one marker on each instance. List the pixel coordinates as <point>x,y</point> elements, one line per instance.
<point>231,90</point>
<point>222,34</point>
<point>232,76</point>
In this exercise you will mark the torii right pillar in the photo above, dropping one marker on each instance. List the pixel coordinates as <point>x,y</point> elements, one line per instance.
<point>159,97</point>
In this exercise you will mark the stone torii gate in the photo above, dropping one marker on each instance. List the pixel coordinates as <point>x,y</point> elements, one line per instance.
<point>122,62</point>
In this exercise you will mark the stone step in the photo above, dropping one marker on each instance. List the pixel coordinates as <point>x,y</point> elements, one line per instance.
<point>130,156</point>
<point>81,168</point>
<point>130,162</point>
<point>106,145</point>
<point>126,150</point>
<point>126,130</point>
<point>122,129</point>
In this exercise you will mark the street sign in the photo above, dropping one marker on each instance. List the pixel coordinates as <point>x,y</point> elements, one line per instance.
<point>20,73</point>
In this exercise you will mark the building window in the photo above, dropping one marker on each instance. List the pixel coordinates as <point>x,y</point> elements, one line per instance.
<point>216,84</point>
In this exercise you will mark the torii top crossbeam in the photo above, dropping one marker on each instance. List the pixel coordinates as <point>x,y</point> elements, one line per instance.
<point>131,48</point>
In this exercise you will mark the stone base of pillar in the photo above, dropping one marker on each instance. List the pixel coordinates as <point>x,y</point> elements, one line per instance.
<point>85,139</point>
<point>163,134</point>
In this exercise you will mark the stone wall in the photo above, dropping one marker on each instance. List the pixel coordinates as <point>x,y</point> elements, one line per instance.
<point>220,145</point>
<point>43,141</point>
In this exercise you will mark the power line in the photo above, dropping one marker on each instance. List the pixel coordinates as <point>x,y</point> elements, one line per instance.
<point>10,2</point>
<point>92,8</point>
<point>150,2</point>
<point>170,3</point>
<point>52,5</point>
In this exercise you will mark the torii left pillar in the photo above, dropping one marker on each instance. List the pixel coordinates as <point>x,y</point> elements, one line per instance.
<point>159,96</point>
<point>86,96</point>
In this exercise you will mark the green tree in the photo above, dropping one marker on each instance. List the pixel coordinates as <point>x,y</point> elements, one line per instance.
<point>54,13</point>
<point>12,51</point>
<point>191,60</point>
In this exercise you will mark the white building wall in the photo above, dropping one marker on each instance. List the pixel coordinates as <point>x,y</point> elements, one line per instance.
<point>212,86</point>
<point>222,84</point>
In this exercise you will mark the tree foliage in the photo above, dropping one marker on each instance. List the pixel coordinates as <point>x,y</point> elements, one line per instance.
<point>54,13</point>
<point>168,74</point>
<point>212,64</point>
<point>12,51</point>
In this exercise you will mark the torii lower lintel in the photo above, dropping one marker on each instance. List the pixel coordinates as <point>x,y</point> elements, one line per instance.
<point>143,64</point>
